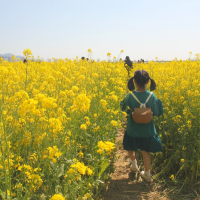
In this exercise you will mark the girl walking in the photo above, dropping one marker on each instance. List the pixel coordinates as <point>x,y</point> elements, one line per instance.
<point>138,135</point>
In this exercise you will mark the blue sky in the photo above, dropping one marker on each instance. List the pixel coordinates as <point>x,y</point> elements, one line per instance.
<point>68,28</point>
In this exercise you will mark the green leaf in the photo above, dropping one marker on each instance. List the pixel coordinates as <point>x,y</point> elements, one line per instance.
<point>100,181</point>
<point>61,170</point>
<point>26,195</point>
<point>52,164</point>
<point>2,194</point>
<point>104,165</point>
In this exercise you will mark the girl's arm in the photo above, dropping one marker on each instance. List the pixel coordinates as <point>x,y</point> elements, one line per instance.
<point>124,105</point>
<point>160,107</point>
<point>157,107</point>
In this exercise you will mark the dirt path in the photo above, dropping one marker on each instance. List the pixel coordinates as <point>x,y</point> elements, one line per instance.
<point>126,185</point>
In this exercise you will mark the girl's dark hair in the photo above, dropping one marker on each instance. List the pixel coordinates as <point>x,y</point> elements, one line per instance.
<point>141,77</point>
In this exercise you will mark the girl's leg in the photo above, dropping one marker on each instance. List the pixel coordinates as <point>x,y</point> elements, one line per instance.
<point>147,163</point>
<point>131,155</point>
<point>146,160</point>
<point>134,166</point>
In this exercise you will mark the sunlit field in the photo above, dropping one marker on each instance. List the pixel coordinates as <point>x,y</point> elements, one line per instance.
<point>59,121</point>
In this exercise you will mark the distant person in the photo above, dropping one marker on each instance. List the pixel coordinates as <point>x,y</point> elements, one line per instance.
<point>128,64</point>
<point>141,60</point>
<point>25,61</point>
<point>83,58</point>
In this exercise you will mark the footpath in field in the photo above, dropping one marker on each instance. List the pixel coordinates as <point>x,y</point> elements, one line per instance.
<point>126,185</point>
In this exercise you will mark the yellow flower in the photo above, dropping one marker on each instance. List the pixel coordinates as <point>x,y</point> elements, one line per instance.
<point>80,167</point>
<point>8,192</point>
<point>57,197</point>
<point>107,146</point>
<point>184,148</point>
<point>114,123</point>
<point>70,171</point>
<point>108,54</point>
<point>96,128</point>
<point>189,124</point>
<point>83,127</point>
<point>89,51</point>
<point>87,195</point>
<point>172,177</point>
<point>36,179</point>
<point>13,57</point>
<point>69,133</point>
<point>182,160</point>
<point>114,97</point>
<point>75,88</point>
<point>54,153</point>
<point>81,78</point>
<point>89,171</point>
<point>100,151</point>
<point>82,103</point>
<point>27,52</point>
<point>80,154</point>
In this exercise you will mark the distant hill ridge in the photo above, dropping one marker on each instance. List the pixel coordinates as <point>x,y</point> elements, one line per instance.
<point>8,56</point>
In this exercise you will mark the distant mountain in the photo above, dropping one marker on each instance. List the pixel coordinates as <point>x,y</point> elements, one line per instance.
<point>8,56</point>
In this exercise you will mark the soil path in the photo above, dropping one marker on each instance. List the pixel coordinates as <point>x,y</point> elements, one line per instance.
<point>126,185</point>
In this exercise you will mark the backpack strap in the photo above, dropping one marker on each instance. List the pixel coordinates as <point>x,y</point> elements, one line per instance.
<point>135,98</point>
<point>138,99</point>
<point>148,97</point>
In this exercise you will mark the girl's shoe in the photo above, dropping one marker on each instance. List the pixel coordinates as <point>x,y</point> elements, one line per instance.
<point>134,166</point>
<point>146,176</point>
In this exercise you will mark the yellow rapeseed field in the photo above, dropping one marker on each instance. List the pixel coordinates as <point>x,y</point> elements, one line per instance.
<point>59,121</point>
<point>58,126</point>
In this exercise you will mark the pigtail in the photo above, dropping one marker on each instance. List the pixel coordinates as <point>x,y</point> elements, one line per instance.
<point>153,84</point>
<point>131,85</point>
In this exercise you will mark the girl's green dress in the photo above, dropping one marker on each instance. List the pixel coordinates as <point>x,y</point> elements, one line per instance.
<point>141,136</point>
